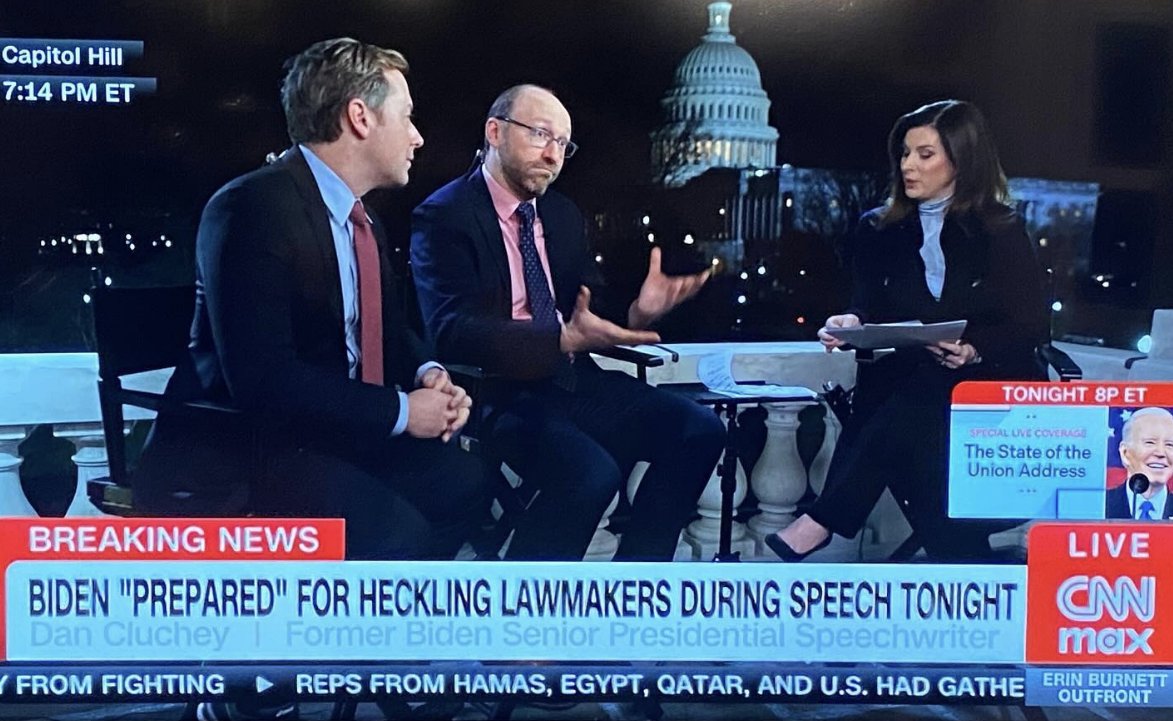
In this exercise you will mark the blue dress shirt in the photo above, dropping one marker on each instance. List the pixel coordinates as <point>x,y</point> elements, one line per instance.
<point>1158,500</point>
<point>339,200</point>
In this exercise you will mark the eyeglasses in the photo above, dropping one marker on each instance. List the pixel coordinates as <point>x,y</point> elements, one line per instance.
<point>541,138</point>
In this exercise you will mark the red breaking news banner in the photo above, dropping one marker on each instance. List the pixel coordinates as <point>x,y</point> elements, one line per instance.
<point>1093,592</point>
<point>1064,394</point>
<point>165,539</point>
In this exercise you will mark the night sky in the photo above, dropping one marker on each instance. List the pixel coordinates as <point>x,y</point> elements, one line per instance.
<point>838,73</point>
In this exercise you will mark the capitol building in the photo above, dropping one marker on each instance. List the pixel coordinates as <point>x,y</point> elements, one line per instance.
<point>716,113</point>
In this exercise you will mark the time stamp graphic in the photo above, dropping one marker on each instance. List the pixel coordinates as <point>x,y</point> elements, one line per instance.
<point>30,89</point>
<point>70,72</point>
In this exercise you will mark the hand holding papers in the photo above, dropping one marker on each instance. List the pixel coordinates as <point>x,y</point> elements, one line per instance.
<point>898,335</point>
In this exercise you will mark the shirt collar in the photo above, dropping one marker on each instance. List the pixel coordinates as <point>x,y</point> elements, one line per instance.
<point>935,207</point>
<point>336,194</point>
<point>504,201</point>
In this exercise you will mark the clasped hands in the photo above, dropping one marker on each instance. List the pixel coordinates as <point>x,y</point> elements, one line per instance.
<point>438,408</point>
<point>948,354</point>
<point>659,294</point>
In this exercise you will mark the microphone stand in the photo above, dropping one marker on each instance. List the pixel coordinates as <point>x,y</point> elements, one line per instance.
<point>1138,483</point>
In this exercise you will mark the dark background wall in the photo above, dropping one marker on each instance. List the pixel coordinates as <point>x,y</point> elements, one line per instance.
<point>1074,90</point>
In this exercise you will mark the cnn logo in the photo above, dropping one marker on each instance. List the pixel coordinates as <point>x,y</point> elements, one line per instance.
<point>1086,599</point>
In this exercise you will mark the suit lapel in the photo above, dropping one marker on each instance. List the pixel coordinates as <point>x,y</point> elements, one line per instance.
<point>396,353</point>
<point>1117,506</point>
<point>966,249</point>
<point>386,272</point>
<point>318,218</point>
<point>486,218</point>
<point>557,249</point>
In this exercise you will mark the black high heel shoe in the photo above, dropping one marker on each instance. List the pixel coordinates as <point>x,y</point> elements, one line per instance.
<point>788,554</point>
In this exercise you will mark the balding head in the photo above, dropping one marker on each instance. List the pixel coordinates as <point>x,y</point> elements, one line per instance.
<point>526,159</point>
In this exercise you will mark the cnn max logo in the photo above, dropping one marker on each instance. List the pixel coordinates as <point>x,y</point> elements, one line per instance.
<point>1087,598</point>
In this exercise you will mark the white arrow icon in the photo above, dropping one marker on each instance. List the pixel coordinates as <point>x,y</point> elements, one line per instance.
<point>263,684</point>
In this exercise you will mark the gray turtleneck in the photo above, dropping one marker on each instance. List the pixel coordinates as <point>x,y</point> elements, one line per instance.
<point>932,218</point>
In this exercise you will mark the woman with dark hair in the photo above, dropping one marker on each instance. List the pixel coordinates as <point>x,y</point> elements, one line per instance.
<point>944,247</point>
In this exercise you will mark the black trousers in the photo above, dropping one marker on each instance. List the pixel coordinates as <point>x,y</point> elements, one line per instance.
<point>401,497</point>
<point>897,438</point>
<point>579,447</point>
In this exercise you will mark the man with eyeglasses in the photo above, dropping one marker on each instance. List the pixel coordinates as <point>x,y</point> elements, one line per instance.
<point>504,273</point>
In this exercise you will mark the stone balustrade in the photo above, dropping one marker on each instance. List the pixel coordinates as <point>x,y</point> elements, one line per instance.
<point>60,390</point>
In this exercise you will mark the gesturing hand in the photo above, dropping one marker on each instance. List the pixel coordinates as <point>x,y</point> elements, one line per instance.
<point>587,331</point>
<point>661,293</point>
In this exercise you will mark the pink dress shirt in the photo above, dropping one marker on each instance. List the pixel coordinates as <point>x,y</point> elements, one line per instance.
<point>505,204</point>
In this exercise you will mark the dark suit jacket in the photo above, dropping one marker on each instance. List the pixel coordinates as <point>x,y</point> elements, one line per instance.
<point>1116,504</point>
<point>462,278</point>
<point>992,279</point>
<point>268,334</point>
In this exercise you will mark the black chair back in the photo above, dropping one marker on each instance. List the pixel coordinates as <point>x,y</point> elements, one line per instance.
<point>135,330</point>
<point>141,329</point>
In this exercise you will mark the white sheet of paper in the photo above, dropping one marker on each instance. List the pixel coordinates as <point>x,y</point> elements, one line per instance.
<point>716,372</point>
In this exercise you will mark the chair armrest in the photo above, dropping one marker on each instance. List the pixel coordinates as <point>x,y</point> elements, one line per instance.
<point>210,406</point>
<point>638,358</point>
<point>1065,367</point>
<point>472,379</point>
<point>466,371</point>
<point>159,402</point>
<point>1129,361</point>
<point>641,360</point>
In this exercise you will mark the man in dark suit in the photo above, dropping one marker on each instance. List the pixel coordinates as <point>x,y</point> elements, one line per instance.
<point>502,268</point>
<point>1146,448</point>
<point>299,324</point>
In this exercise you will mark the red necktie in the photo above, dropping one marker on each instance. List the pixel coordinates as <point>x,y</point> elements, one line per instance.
<point>370,296</point>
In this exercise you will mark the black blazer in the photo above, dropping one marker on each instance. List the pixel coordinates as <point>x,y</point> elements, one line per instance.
<point>268,331</point>
<point>462,279</point>
<point>992,279</point>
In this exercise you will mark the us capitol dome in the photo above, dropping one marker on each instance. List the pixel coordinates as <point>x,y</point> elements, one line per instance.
<point>716,113</point>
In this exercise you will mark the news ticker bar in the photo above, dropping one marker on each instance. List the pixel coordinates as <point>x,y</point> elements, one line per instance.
<point>473,681</point>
